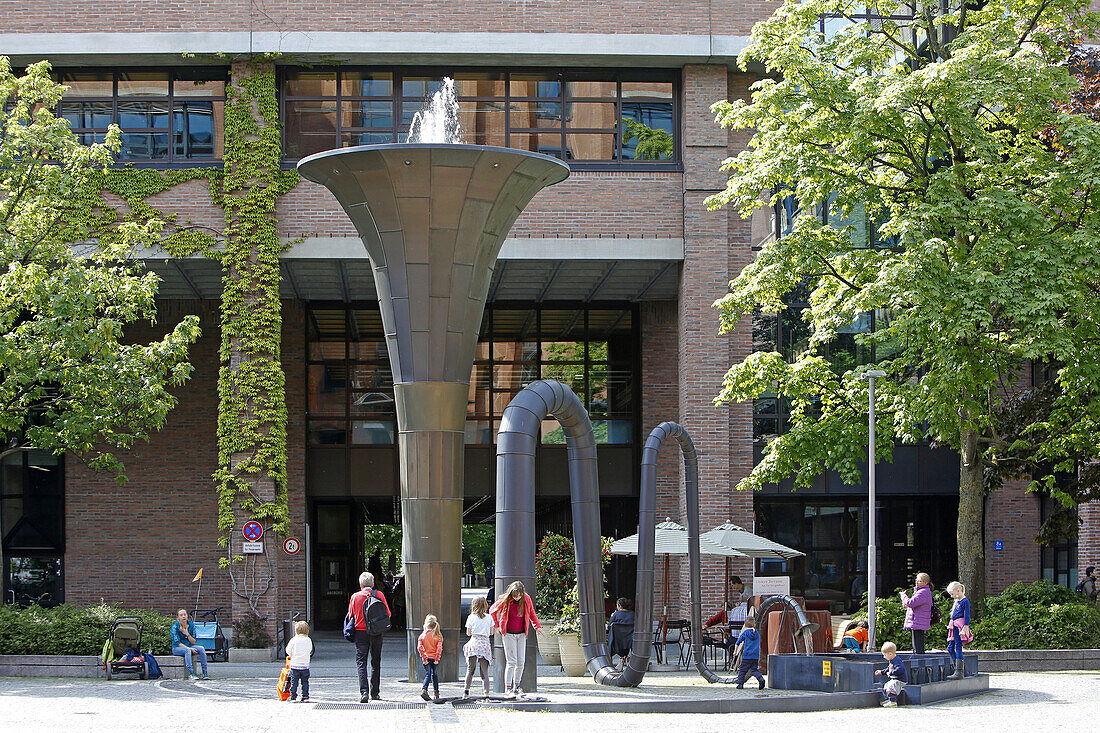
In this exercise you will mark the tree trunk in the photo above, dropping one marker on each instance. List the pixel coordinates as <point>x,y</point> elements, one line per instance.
<point>971,527</point>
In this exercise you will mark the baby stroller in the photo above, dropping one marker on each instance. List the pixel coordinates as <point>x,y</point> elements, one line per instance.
<point>208,633</point>
<point>122,650</point>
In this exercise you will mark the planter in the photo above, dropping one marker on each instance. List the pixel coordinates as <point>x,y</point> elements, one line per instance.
<point>548,645</point>
<point>572,655</point>
<point>240,654</point>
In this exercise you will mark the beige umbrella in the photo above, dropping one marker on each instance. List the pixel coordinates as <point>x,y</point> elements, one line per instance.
<point>672,539</point>
<point>738,538</point>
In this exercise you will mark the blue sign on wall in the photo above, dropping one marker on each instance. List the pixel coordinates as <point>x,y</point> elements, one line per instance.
<point>998,545</point>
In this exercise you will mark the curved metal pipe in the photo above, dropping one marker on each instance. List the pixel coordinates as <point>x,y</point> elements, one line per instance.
<point>805,626</point>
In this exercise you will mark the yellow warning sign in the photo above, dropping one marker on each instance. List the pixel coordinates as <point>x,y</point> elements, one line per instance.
<point>826,668</point>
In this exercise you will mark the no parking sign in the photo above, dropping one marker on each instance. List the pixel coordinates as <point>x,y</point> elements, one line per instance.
<point>253,531</point>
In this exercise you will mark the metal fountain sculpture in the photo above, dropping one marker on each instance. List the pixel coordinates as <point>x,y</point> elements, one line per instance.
<point>432,216</point>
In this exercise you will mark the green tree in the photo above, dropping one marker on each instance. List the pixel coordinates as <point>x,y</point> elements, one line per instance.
<point>985,239</point>
<point>69,286</point>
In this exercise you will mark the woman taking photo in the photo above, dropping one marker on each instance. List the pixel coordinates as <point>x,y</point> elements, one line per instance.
<point>513,615</point>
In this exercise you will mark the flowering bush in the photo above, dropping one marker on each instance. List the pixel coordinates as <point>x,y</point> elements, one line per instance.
<point>570,621</point>
<point>555,574</point>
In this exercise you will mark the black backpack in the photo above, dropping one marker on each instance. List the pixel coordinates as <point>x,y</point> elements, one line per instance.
<point>375,615</point>
<point>936,616</point>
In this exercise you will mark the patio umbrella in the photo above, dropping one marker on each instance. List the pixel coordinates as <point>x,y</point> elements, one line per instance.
<point>672,539</point>
<point>738,538</point>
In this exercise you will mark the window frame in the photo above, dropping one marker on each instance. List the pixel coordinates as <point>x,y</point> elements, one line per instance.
<point>561,76</point>
<point>171,161</point>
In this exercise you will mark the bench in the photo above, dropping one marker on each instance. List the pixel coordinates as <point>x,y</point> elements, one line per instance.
<point>70,665</point>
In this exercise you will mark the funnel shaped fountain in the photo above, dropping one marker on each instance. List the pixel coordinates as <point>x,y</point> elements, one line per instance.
<point>432,218</point>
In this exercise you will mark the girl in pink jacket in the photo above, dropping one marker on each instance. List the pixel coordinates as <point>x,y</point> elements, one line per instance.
<point>513,615</point>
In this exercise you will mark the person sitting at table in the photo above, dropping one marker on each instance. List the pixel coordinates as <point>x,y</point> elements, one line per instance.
<point>734,612</point>
<point>620,630</point>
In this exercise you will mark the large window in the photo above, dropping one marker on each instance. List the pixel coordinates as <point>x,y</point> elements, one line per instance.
<point>166,116</point>
<point>621,117</point>
<point>32,510</point>
<point>590,348</point>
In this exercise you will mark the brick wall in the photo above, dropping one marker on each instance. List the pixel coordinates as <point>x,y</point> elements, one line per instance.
<point>1012,516</point>
<point>1088,539</point>
<point>528,16</point>
<point>588,203</point>
<point>141,543</point>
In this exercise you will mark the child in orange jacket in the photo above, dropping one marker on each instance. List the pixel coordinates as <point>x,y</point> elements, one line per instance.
<point>430,648</point>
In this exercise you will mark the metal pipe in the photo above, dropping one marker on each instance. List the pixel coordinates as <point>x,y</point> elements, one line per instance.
<point>872,529</point>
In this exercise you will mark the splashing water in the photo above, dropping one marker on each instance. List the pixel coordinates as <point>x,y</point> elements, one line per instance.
<point>437,121</point>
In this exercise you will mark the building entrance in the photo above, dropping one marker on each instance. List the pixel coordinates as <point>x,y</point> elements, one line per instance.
<point>338,560</point>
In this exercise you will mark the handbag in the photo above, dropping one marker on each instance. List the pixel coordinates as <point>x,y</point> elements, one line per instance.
<point>283,688</point>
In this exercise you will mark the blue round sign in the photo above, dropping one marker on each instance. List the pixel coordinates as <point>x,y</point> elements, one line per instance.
<point>253,531</point>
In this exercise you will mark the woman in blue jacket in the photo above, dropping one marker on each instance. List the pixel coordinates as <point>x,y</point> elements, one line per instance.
<point>183,644</point>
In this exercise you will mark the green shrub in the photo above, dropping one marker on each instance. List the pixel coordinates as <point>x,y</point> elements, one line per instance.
<point>250,632</point>
<point>1036,615</point>
<point>68,629</point>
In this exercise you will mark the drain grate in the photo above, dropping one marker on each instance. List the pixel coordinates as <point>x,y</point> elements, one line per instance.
<point>369,706</point>
<point>443,714</point>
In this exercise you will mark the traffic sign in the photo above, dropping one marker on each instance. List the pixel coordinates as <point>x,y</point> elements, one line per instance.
<point>252,548</point>
<point>253,531</point>
<point>291,545</point>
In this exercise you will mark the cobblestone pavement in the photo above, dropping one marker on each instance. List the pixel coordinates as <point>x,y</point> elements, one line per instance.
<point>1025,702</point>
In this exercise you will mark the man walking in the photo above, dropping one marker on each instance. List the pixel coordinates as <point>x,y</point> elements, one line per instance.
<point>366,611</point>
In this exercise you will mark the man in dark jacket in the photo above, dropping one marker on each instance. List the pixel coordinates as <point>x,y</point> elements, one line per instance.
<point>367,643</point>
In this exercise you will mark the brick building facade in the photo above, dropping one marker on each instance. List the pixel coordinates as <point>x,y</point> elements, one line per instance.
<point>623,237</point>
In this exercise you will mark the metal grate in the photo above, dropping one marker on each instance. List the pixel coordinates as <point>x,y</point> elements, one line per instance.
<point>369,706</point>
<point>444,713</point>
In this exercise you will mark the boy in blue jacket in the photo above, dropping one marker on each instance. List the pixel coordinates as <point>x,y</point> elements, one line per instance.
<point>895,674</point>
<point>749,640</point>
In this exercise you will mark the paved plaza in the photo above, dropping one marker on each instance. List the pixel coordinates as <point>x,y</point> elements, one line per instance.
<point>242,697</point>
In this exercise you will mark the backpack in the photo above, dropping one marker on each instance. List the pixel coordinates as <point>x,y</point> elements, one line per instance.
<point>376,616</point>
<point>1080,587</point>
<point>936,616</point>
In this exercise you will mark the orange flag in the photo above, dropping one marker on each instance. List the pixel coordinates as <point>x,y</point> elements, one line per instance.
<point>198,576</point>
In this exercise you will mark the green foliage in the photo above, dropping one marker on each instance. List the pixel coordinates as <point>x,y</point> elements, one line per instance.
<point>569,619</point>
<point>653,144</point>
<point>478,543</point>
<point>251,384</point>
<point>67,629</point>
<point>555,574</point>
<point>983,254</point>
<point>1036,615</point>
<point>250,632</point>
<point>69,287</point>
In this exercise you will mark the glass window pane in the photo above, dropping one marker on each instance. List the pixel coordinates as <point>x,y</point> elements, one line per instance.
<point>796,333</point>
<point>310,127</point>
<point>371,389</point>
<point>88,115</point>
<point>647,89</point>
<point>35,579</point>
<point>327,432</point>
<point>327,389</point>
<point>534,85</point>
<point>606,89</point>
<point>479,432</point>
<point>143,84</point>
<point>480,384</point>
<point>547,143</point>
<point>764,331</point>
<point>613,432</point>
<point>139,115</point>
<point>373,432</point>
<point>513,377</point>
<point>351,138</point>
<point>142,146</point>
<point>192,84</point>
<point>366,84</point>
<point>590,146</point>
<point>370,115</point>
<point>534,115</point>
<point>595,115</point>
<point>647,131</point>
<point>420,87</point>
<point>197,129</point>
<point>479,84</point>
<point>83,84</point>
<point>302,83</point>
<point>515,351</point>
<point>330,350</point>
<point>482,122</point>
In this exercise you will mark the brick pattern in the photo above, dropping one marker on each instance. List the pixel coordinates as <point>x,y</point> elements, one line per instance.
<point>1012,516</point>
<point>502,16</point>
<point>588,203</point>
<point>122,546</point>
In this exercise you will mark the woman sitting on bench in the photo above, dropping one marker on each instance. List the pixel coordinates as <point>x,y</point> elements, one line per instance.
<point>184,644</point>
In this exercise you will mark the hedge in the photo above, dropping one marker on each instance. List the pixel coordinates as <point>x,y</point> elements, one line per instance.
<point>68,629</point>
<point>1037,615</point>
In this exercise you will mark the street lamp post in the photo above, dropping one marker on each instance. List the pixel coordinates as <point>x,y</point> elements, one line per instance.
<point>871,375</point>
